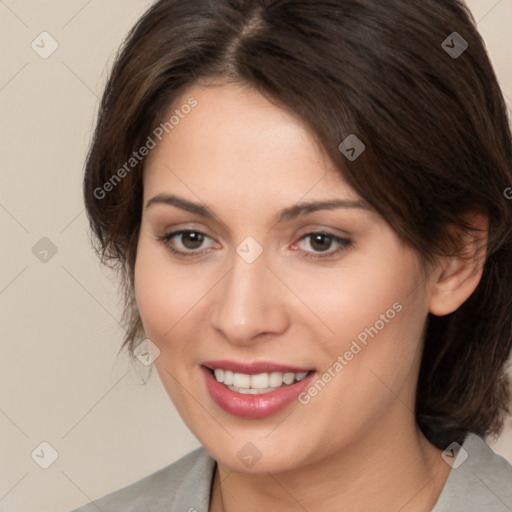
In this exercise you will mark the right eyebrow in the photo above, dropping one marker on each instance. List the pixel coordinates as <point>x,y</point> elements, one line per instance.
<point>182,203</point>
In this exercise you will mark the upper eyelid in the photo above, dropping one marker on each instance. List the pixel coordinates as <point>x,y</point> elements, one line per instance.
<point>284,222</point>
<point>308,233</point>
<point>177,232</point>
<point>314,227</point>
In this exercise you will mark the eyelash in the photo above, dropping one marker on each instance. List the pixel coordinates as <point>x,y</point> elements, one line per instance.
<point>344,244</point>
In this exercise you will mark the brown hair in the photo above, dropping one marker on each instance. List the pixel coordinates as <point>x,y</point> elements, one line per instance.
<point>434,124</point>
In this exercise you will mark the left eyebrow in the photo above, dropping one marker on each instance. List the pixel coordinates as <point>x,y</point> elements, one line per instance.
<point>295,211</point>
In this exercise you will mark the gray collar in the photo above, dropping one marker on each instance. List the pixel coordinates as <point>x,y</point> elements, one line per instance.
<point>482,481</point>
<point>193,494</point>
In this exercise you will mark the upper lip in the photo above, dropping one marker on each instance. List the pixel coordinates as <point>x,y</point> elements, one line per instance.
<point>253,368</point>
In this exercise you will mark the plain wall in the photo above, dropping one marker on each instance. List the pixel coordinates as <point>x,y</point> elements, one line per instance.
<point>60,379</point>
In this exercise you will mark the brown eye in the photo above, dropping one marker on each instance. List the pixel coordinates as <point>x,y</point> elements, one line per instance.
<point>186,242</point>
<point>320,242</point>
<point>317,245</point>
<point>191,239</point>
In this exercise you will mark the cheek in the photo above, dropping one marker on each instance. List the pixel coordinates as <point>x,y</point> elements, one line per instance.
<point>375,313</point>
<point>370,295</point>
<point>164,294</point>
<point>165,299</point>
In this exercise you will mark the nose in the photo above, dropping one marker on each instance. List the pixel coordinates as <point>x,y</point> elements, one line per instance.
<point>250,303</point>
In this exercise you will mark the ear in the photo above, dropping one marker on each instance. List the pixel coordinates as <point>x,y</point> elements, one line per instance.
<point>456,277</point>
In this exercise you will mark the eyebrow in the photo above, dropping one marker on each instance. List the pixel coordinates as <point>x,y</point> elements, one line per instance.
<point>285,214</point>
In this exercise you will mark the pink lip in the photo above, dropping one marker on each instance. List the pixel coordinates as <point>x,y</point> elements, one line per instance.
<point>253,368</point>
<point>254,406</point>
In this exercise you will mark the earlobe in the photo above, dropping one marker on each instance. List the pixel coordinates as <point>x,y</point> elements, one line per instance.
<point>458,276</point>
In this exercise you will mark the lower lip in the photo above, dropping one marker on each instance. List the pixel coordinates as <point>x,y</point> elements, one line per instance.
<point>254,406</point>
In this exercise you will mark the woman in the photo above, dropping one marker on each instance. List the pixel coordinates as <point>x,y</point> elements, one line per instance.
<point>306,201</point>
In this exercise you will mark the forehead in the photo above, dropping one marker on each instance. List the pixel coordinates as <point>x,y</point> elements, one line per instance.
<point>235,142</point>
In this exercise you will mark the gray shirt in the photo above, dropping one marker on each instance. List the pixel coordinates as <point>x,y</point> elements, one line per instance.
<point>479,481</point>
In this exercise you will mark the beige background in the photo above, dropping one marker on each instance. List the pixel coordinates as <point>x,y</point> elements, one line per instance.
<point>60,379</point>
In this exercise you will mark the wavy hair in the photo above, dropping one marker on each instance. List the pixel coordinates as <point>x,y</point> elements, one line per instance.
<point>392,72</point>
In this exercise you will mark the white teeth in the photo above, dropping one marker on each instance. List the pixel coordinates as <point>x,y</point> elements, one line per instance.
<point>275,379</point>
<point>248,391</point>
<point>241,380</point>
<point>288,378</point>
<point>259,381</point>
<point>255,384</point>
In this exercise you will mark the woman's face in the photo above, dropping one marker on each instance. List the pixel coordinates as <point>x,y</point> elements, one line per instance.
<point>261,286</point>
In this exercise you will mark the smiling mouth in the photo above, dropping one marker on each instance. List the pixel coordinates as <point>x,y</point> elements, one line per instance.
<point>257,389</point>
<point>256,384</point>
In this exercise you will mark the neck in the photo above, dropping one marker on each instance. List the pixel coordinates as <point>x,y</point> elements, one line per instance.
<point>384,471</point>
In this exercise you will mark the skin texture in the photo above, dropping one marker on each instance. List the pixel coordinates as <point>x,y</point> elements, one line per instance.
<point>354,446</point>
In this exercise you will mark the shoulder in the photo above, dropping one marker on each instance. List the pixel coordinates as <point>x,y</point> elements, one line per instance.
<point>479,480</point>
<point>183,485</point>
